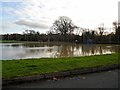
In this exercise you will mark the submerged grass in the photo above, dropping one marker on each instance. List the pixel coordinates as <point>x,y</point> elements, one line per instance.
<point>28,67</point>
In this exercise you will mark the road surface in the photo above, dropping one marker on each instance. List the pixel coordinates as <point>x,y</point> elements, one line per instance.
<point>107,79</point>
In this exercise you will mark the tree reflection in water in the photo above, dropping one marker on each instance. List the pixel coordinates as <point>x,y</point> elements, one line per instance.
<point>40,50</point>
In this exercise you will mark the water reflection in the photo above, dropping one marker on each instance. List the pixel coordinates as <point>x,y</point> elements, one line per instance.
<point>40,50</point>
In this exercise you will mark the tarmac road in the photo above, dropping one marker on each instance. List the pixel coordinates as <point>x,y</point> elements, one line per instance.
<point>107,79</point>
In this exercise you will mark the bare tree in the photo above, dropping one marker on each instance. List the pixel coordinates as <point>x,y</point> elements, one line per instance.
<point>63,25</point>
<point>117,30</point>
<point>116,26</point>
<point>101,29</point>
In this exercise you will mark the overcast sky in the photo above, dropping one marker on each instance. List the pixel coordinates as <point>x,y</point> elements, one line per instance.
<point>19,15</point>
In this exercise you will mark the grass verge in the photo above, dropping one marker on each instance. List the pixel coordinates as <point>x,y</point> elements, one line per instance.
<point>29,67</point>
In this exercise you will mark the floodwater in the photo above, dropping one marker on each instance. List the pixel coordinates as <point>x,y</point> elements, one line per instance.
<point>12,51</point>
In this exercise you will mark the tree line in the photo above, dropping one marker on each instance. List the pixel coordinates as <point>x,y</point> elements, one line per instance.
<point>63,30</point>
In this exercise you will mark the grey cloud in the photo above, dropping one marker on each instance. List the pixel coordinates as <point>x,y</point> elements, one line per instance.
<point>31,24</point>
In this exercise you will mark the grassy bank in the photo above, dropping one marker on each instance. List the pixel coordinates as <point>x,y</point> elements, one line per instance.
<point>26,67</point>
<point>14,41</point>
<point>8,41</point>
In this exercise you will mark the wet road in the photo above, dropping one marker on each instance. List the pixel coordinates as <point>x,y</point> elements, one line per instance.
<point>107,79</point>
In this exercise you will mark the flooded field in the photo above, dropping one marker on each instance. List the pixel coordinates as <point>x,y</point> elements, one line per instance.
<point>47,50</point>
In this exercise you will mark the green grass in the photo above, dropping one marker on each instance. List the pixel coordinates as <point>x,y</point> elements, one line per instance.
<point>14,41</point>
<point>8,41</point>
<point>28,67</point>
